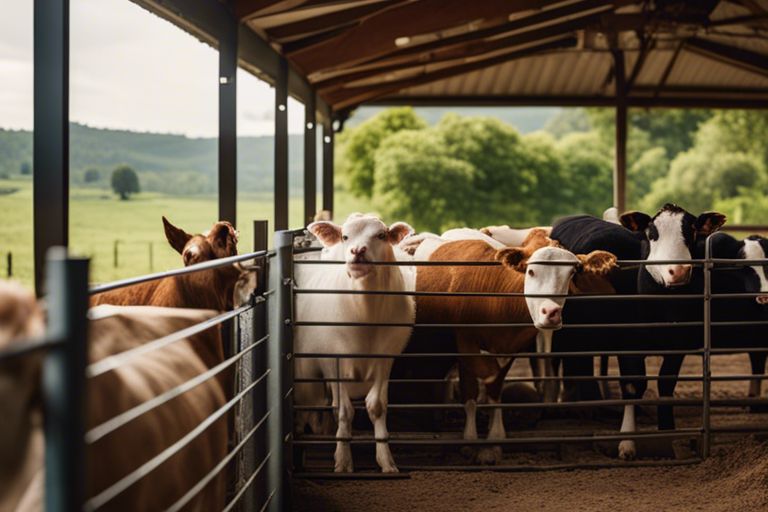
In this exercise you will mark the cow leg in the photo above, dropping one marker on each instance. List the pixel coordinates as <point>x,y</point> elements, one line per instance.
<point>548,389</point>
<point>630,390</point>
<point>757,361</point>
<point>343,456</point>
<point>670,367</point>
<point>575,390</point>
<point>376,405</point>
<point>469,389</point>
<point>493,454</point>
<point>605,387</point>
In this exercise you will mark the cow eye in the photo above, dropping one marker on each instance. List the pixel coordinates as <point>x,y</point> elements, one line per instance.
<point>344,238</point>
<point>382,236</point>
<point>530,272</point>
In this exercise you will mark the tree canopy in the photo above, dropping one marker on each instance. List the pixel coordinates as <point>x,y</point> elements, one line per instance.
<point>125,182</point>
<point>474,171</point>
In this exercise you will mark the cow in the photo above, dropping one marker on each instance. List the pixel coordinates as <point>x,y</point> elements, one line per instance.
<point>189,290</point>
<point>511,237</point>
<point>672,234</point>
<point>361,241</point>
<point>112,330</point>
<point>521,270</point>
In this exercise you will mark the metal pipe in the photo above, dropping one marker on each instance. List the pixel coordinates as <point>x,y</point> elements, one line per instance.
<point>584,296</point>
<point>706,360</point>
<point>593,353</point>
<point>281,147</point>
<point>63,382</point>
<point>198,267</point>
<point>310,160</point>
<point>279,356</point>
<point>683,402</point>
<point>636,325</point>
<point>228,54</point>
<point>427,263</point>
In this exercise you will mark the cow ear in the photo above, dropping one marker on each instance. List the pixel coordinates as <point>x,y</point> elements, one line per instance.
<point>709,222</point>
<point>398,231</point>
<point>635,221</point>
<point>177,237</point>
<point>327,232</point>
<point>597,262</point>
<point>513,257</point>
<point>222,232</point>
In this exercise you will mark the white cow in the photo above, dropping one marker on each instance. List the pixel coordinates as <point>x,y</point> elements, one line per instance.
<point>361,240</point>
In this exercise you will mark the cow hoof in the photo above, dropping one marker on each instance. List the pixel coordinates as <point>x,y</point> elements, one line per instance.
<point>343,467</point>
<point>390,469</point>
<point>489,456</point>
<point>627,450</point>
<point>343,461</point>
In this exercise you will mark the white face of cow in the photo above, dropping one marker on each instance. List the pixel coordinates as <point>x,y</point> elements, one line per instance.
<point>755,248</point>
<point>362,239</point>
<point>672,235</point>
<point>548,280</point>
<point>667,242</point>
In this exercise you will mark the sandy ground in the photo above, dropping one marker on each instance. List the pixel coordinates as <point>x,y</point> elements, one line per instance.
<point>734,478</point>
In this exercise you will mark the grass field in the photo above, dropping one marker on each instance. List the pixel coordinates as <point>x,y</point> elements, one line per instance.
<point>98,220</point>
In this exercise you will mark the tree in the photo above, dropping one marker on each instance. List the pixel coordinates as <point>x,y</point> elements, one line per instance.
<point>358,145</point>
<point>417,181</point>
<point>25,168</point>
<point>92,176</point>
<point>125,182</point>
<point>587,184</point>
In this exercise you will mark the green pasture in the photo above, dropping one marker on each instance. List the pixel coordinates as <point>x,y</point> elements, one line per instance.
<point>98,219</point>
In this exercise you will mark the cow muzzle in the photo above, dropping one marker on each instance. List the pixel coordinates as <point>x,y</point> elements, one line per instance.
<point>677,275</point>
<point>549,316</point>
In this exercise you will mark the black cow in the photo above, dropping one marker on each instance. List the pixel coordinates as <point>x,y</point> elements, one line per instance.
<point>672,234</point>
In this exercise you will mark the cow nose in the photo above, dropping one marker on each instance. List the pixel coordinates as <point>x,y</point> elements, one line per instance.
<point>679,273</point>
<point>359,251</point>
<point>552,314</point>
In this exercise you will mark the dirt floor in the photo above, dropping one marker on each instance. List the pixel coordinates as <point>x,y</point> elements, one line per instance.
<point>733,478</point>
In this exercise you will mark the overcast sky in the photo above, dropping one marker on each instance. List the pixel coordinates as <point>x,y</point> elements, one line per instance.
<point>130,69</point>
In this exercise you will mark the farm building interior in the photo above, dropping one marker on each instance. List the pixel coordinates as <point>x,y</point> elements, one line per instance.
<point>335,56</point>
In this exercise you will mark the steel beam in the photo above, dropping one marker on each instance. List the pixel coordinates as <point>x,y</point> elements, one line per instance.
<point>281,147</point>
<point>328,148</point>
<point>620,165</point>
<point>310,160</point>
<point>51,130</point>
<point>228,51</point>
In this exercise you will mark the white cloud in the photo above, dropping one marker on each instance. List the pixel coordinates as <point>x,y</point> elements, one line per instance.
<point>130,69</point>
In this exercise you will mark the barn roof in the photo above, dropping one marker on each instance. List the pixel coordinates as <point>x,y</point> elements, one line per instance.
<point>517,52</point>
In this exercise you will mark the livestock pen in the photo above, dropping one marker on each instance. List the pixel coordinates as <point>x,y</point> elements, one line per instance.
<point>333,57</point>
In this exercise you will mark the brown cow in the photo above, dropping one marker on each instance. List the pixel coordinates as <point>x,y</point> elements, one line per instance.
<point>519,272</point>
<point>190,290</point>
<point>114,330</point>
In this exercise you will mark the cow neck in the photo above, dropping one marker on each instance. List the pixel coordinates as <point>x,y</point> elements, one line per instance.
<point>207,289</point>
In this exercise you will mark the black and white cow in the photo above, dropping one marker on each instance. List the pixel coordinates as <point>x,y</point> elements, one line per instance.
<point>672,234</point>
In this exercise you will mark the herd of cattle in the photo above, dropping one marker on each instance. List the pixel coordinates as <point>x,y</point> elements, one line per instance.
<point>484,319</point>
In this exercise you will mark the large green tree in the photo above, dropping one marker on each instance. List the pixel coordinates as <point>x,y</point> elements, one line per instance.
<point>125,182</point>
<point>358,146</point>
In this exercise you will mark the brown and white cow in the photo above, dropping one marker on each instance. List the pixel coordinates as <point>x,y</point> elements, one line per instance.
<point>115,329</point>
<point>521,271</point>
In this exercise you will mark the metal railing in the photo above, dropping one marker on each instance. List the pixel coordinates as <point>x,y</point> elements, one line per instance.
<point>255,357</point>
<point>703,432</point>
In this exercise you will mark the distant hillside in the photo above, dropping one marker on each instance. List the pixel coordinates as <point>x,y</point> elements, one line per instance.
<point>525,120</point>
<point>177,164</point>
<point>165,162</point>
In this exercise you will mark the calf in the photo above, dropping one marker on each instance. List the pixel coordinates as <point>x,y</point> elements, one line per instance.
<point>519,272</point>
<point>361,241</point>
<point>113,330</point>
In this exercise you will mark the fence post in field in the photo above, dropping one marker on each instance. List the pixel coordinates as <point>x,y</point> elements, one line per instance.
<point>151,258</point>
<point>114,254</point>
<point>9,259</point>
<point>64,381</point>
<point>280,359</point>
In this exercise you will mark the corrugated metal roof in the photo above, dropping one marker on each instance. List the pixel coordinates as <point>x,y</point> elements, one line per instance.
<point>520,51</point>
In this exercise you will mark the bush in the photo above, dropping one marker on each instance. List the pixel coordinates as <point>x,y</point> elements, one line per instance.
<point>92,176</point>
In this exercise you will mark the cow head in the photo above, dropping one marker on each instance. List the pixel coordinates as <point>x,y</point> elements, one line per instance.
<point>245,285</point>
<point>756,248</point>
<point>219,242</point>
<point>362,239</point>
<point>542,278</point>
<point>21,318</point>
<point>672,234</point>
